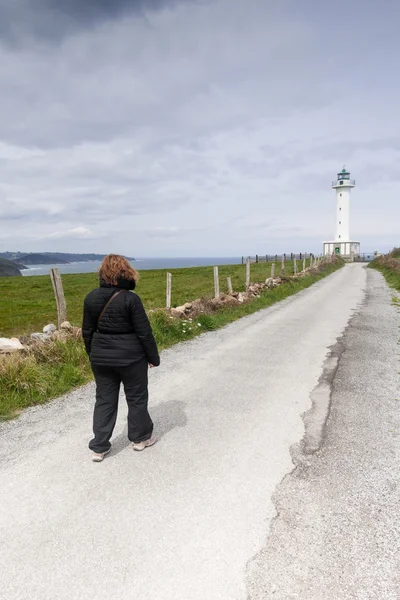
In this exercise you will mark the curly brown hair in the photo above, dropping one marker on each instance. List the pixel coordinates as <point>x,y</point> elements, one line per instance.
<point>115,267</point>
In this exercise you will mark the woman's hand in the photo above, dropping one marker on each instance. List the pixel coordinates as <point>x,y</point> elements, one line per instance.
<point>151,366</point>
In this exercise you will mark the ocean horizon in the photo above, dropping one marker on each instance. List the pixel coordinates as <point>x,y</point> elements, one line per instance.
<point>141,264</point>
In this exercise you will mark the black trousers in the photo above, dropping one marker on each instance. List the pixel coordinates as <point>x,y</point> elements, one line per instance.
<point>108,383</point>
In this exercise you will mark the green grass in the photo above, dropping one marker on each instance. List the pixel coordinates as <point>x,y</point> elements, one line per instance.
<point>48,371</point>
<point>391,277</point>
<point>389,266</point>
<point>27,303</point>
<point>52,369</point>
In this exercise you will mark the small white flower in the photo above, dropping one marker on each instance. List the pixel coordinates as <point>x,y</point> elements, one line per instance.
<point>198,324</point>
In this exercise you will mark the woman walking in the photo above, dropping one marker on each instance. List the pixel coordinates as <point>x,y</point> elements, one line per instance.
<point>120,344</point>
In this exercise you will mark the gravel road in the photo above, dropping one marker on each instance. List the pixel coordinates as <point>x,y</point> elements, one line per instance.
<point>194,517</point>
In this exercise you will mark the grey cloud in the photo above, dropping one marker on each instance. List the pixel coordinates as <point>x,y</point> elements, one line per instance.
<point>212,128</point>
<point>52,20</point>
<point>202,77</point>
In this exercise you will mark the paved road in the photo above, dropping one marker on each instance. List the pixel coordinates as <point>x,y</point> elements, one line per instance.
<point>336,535</point>
<point>189,518</point>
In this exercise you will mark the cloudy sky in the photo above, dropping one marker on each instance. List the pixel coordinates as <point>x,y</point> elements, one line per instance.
<point>197,127</point>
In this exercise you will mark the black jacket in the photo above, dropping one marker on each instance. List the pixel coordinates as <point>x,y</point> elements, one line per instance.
<point>124,334</point>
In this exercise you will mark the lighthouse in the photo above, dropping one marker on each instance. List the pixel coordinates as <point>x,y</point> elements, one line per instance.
<point>343,244</point>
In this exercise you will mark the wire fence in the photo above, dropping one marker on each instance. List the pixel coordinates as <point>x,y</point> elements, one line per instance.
<point>259,258</point>
<point>365,257</point>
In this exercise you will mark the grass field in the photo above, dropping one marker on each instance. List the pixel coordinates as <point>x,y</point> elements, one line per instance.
<point>54,368</point>
<point>27,303</point>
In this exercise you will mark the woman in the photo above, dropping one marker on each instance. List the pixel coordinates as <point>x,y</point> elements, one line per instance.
<point>120,344</point>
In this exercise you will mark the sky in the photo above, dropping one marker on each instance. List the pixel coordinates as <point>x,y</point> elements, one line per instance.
<point>197,127</point>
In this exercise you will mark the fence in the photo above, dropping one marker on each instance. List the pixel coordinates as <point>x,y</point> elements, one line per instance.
<point>279,266</point>
<point>259,258</point>
<point>365,257</point>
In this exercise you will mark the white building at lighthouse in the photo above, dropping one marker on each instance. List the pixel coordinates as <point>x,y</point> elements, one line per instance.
<point>342,244</point>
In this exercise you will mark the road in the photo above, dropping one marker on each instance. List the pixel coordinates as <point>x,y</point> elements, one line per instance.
<point>194,517</point>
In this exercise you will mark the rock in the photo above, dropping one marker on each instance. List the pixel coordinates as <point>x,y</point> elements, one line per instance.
<point>41,337</point>
<point>49,329</point>
<point>269,282</point>
<point>59,335</point>
<point>185,308</point>
<point>253,290</point>
<point>229,301</point>
<point>223,300</point>
<point>66,325</point>
<point>65,333</point>
<point>178,312</point>
<point>240,297</point>
<point>8,345</point>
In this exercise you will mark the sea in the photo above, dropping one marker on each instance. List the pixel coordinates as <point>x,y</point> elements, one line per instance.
<point>141,264</point>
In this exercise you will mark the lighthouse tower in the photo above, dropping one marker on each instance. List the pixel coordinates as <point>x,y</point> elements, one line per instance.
<point>343,244</point>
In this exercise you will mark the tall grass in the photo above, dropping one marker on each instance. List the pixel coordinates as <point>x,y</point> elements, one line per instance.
<point>44,372</point>
<point>389,266</point>
<point>48,370</point>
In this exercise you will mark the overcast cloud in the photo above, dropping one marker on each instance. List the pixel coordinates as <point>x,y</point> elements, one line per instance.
<point>196,127</point>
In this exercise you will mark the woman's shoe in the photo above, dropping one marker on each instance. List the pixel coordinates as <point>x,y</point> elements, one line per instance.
<point>139,446</point>
<point>99,456</point>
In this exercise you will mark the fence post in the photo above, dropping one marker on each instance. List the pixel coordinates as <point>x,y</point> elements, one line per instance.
<point>283,265</point>
<point>59,294</point>
<point>216,282</point>
<point>169,289</point>
<point>304,264</point>
<point>248,274</point>
<point>230,288</point>
<point>294,266</point>
<point>273,270</point>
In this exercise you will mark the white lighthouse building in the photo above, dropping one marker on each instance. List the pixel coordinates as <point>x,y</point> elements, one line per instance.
<point>343,244</point>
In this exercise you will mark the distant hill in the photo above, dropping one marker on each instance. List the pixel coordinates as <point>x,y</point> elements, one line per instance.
<point>8,268</point>
<point>49,258</point>
<point>42,259</point>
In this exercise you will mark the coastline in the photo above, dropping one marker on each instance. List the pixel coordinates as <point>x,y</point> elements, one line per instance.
<point>141,264</point>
